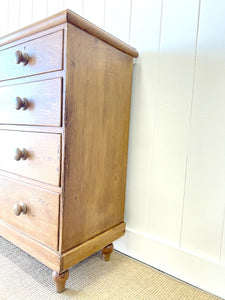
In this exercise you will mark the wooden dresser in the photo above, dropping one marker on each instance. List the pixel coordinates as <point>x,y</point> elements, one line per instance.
<point>65,89</point>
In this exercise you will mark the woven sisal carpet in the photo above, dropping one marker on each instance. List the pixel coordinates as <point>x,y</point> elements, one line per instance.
<point>23,277</point>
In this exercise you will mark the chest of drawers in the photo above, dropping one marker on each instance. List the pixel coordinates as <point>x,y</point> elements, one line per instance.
<point>65,88</point>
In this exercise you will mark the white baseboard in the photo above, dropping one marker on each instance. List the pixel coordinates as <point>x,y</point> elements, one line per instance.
<point>195,270</point>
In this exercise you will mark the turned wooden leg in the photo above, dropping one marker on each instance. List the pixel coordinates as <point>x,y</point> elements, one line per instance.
<point>60,280</point>
<point>106,252</point>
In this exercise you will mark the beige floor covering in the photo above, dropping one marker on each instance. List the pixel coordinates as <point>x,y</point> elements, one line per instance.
<point>23,277</point>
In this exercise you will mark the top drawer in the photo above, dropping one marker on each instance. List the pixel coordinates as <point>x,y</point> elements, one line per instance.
<point>45,55</point>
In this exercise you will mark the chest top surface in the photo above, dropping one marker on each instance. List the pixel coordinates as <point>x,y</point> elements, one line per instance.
<point>67,16</point>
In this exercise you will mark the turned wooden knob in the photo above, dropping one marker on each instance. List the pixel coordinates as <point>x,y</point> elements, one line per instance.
<point>21,58</point>
<point>19,208</point>
<point>21,103</point>
<point>20,154</point>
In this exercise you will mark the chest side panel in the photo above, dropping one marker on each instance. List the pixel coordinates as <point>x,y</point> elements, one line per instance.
<point>97,108</point>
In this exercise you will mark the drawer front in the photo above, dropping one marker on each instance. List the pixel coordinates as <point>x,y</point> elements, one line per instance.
<point>42,159</point>
<point>43,106</point>
<point>42,210</point>
<point>45,55</point>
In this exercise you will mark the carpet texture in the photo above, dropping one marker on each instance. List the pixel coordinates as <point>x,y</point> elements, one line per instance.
<point>23,277</point>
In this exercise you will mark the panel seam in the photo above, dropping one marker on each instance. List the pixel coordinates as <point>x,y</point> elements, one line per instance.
<point>154,118</point>
<point>189,129</point>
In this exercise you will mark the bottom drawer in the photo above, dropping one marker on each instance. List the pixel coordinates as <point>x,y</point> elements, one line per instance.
<point>42,210</point>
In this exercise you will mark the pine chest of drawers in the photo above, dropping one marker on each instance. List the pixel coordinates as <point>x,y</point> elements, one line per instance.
<point>65,88</point>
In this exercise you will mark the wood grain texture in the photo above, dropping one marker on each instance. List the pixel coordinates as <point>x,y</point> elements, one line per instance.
<point>46,129</point>
<point>44,155</point>
<point>44,254</point>
<point>60,280</point>
<point>91,246</point>
<point>106,252</point>
<point>41,218</point>
<point>96,137</point>
<point>44,107</point>
<point>69,16</point>
<point>42,57</point>
<point>100,34</point>
<point>94,90</point>
<point>30,181</point>
<point>205,138</point>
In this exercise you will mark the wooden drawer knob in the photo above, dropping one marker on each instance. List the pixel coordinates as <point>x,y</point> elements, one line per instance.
<point>19,208</point>
<point>21,58</point>
<point>20,154</point>
<point>21,103</point>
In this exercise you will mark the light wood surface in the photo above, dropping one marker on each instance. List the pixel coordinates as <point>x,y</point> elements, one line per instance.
<point>44,103</point>
<point>96,134</point>
<point>43,57</point>
<point>63,178</point>
<point>46,129</point>
<point>46,186</point>
<point>41,218</point>
<point>74,19</point>
<point>106,252</point>
<point>51,258</point>
<point>60,280</point>
<point>91,246</point>
<point>44,155</point>
<point>47,256</point>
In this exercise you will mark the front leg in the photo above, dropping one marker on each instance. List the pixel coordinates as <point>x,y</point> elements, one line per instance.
<point>60,280</point>
<point>106,252</point>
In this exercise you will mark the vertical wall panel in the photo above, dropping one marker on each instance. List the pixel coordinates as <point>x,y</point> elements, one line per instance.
<point>222,252</point>
<point>94,11</point>
<point>26,13</point>
<point>145,30</point>
<point>4,18</point>
<point>117,18</point>
<point>174,96</point>
<point>39,10</point>
<point>205,189</point>
<point>54,6</point>
<point>76,6</point>
<point>14,15</point>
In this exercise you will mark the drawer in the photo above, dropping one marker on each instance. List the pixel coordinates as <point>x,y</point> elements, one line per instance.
<point>42,210</point>
<point>42,161</point>
<point>41,107</point>
<point>45,55</point>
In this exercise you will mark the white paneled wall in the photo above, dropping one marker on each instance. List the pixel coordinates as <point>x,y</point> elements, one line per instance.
<point>175,197</point>
<point>39,9</point>
<point>25,13</point>
<point>117,18</point>
<point>173,100</point>
<point>96,16</point>
<point>205,185</point>
<point>144,34</point>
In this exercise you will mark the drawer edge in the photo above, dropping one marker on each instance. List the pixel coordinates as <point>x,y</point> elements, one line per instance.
<point>44,254</point>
